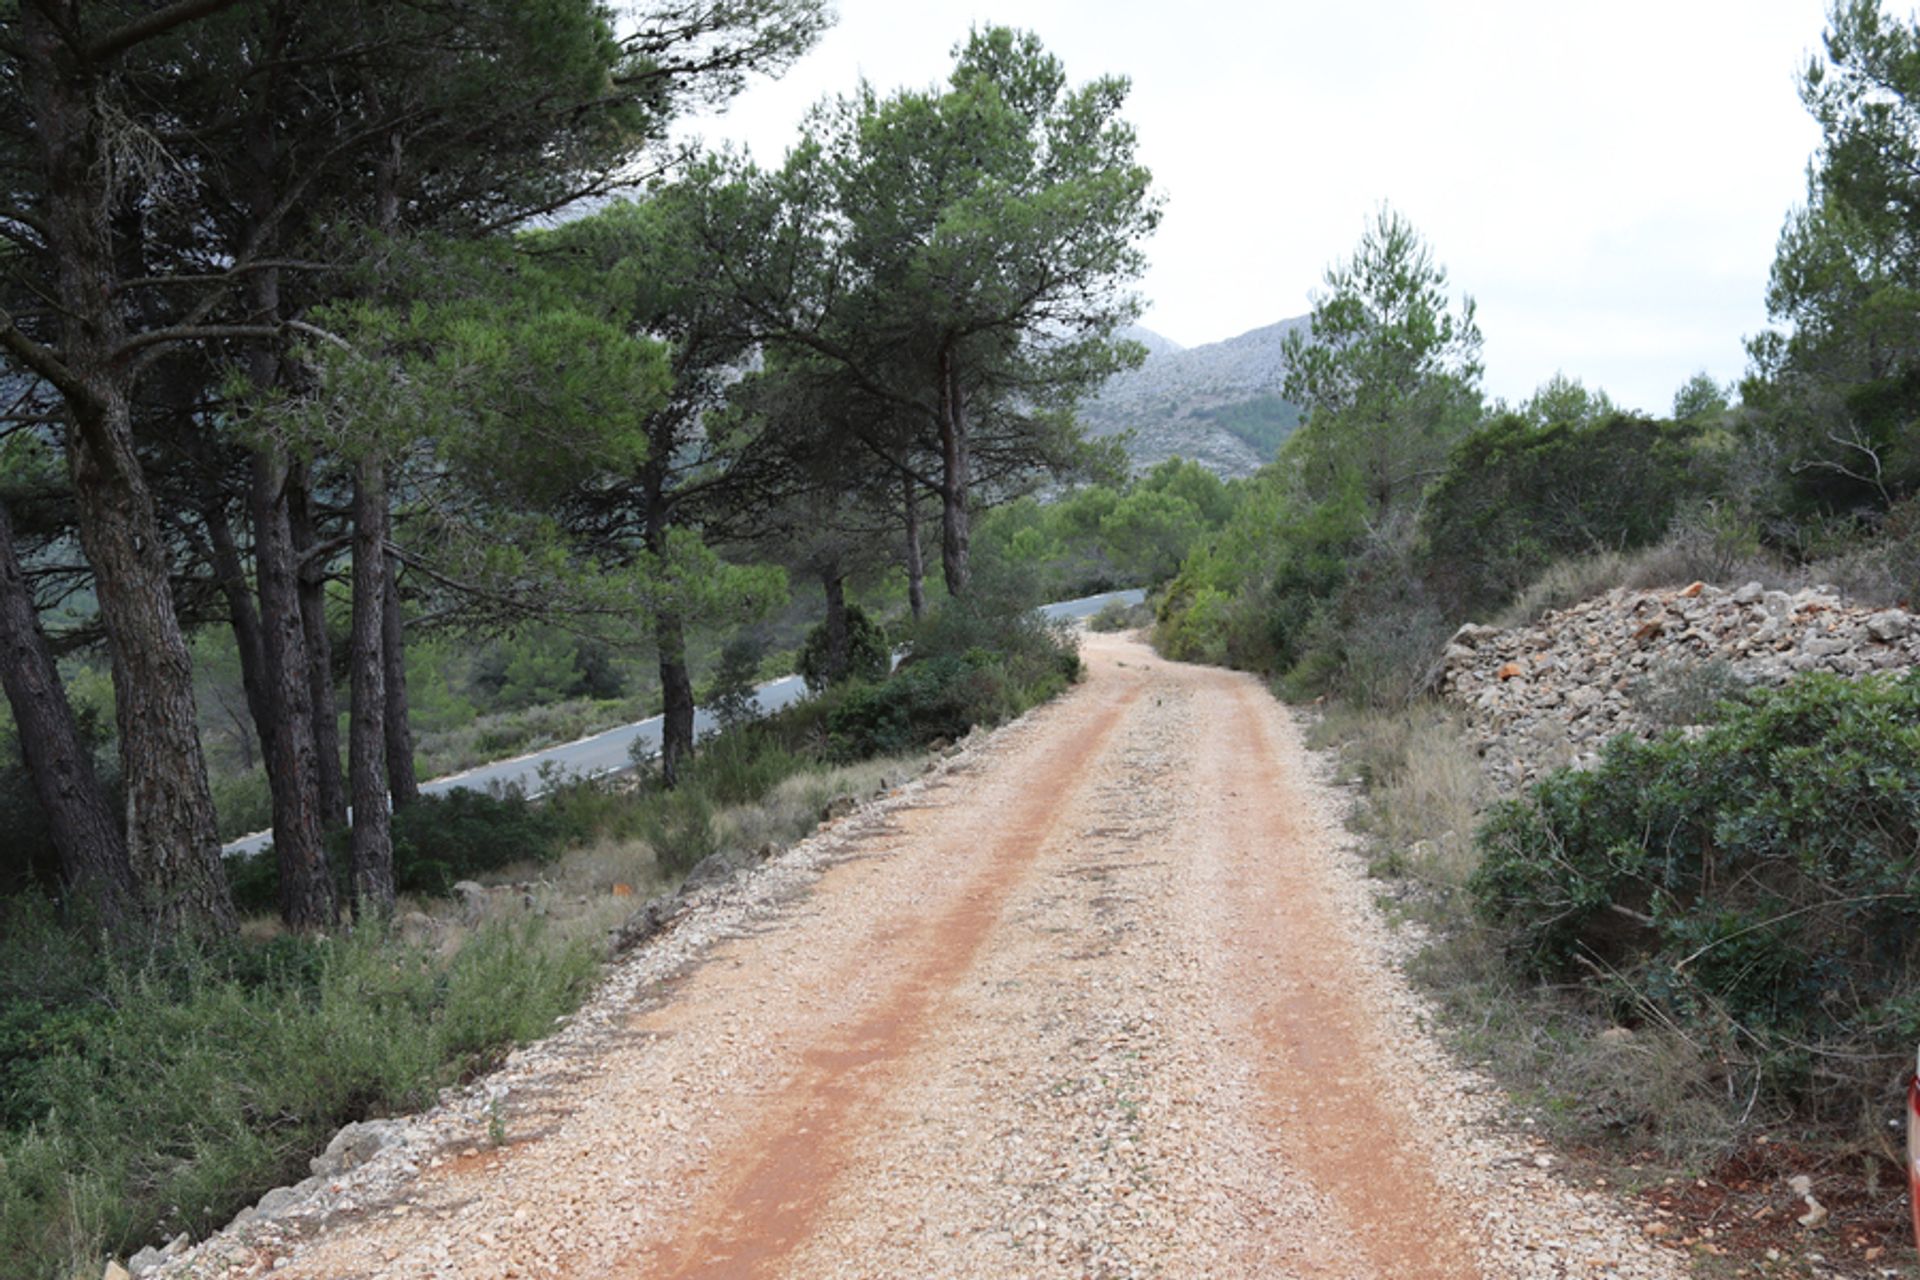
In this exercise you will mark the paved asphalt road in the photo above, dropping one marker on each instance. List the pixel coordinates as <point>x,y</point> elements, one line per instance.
<point>611,751</point>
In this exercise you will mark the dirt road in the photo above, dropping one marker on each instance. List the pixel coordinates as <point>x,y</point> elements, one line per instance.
<point>1105,998</point>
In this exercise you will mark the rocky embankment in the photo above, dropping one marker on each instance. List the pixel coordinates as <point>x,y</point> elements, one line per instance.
<point>1635,661</point>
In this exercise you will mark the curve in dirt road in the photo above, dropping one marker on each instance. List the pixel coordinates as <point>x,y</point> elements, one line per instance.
<point>1106,995</point>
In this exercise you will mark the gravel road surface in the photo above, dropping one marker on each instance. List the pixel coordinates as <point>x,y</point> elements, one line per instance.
<point>1103,995</point>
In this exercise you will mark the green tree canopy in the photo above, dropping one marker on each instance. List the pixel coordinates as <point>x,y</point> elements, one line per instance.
<point>1387,375</point>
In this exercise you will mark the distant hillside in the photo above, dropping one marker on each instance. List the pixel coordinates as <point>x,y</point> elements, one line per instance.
<point>1219,405</point>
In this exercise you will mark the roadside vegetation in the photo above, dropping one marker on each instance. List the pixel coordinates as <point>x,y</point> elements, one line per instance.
<point>150,1086</point>
<point>411,478</point>
<point>344,443</point>
<point>1696,960</point>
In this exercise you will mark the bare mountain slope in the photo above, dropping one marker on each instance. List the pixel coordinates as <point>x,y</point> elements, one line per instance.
<point>1219,404</point>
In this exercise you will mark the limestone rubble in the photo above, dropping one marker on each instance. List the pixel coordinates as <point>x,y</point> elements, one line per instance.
<point>1639,661</point>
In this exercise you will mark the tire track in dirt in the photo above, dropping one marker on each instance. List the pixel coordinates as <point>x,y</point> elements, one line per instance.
<point>1103,999</point>
<point>796,1151</point>
<point>1328,1087</point>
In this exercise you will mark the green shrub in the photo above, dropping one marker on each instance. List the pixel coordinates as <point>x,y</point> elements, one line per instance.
<point>740,766</point>
<point>970,665</point>
<point>868,657</point>
<point>1757,883</point>
<point>160,1092</point>
<point>1118,616</point>
<point>1517,496</point>
<point>735,767</point>
<point>678,825</point>
<point>461,834</point>
<point>440,840</point>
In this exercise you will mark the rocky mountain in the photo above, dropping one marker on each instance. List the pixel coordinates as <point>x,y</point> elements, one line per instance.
<point>1218,404</point>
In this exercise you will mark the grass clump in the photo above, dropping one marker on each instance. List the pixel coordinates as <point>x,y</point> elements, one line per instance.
<point>1424,791</point>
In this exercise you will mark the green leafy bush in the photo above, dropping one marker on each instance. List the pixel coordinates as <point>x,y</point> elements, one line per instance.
<point>942,697</point>
<point>1757,883</point>
<point>678,825</point>
<point>868,656</point>
<point>1117,616</point>
<point>970,665</point>
<point>1517,495</point>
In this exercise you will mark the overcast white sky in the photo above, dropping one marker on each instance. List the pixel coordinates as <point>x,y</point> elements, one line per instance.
<point>1606,179</point>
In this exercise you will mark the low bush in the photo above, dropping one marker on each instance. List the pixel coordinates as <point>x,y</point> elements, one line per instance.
<point>1755,884</point>
<point>242,803</point>
<point>969,665</point>
<point>732,768</point>
<point>155,1093</point>
<point>1116,615</point>
<point>678,826</point>
<point>437,842</point>
<point>938,698</point>
<point>868,656</point>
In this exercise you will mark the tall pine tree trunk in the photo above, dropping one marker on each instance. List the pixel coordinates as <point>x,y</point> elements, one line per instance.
<point>372,840</point>
<point>311,581</point>
<point>172,846</point>
<point>956,460</point>
<point>916,559</point>
<point>402,782</point>
<point>241,615</point>
<point>833,581</point>
<point>306,887</point>
<point>669,639</point>
<point>93,857</point>
<point>676,687</point>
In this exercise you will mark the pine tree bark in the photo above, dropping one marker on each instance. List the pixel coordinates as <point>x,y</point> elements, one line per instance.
<point>669,639</point>
<point>311,582</point>
<point>93,856</point>
<point>306,887</point>
<point>839,642</point>
<point>956,534</point>
<point>916,558</point>
<point>172,845</point>
<point>402,782</point>
<point>372,840</point>
<point>676,687</point>
<point>242,616</point>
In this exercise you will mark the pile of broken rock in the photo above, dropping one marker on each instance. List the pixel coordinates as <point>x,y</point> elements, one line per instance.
<point>1551,694</point>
